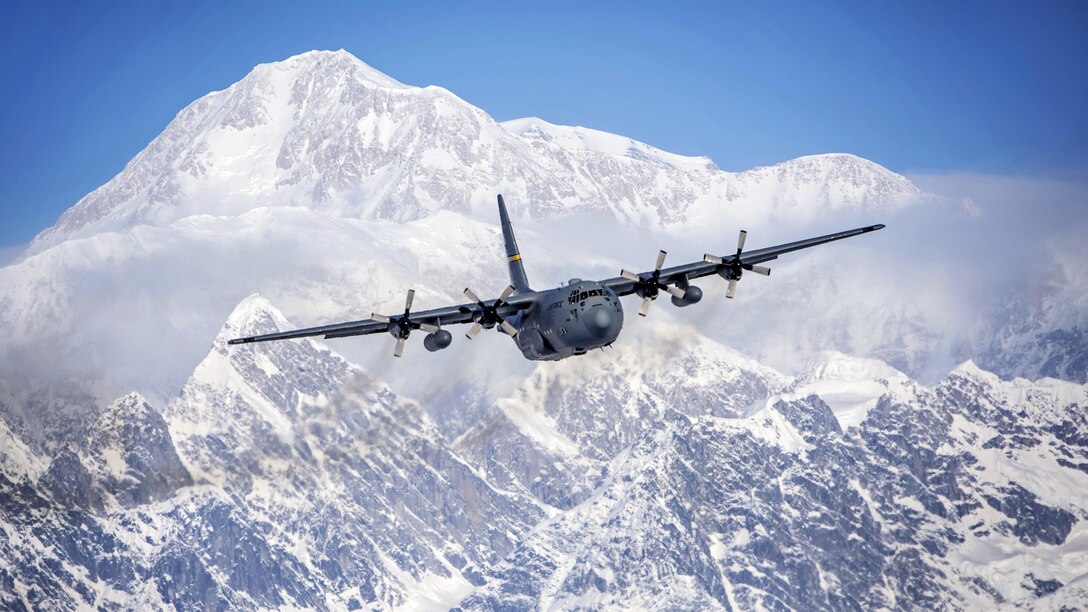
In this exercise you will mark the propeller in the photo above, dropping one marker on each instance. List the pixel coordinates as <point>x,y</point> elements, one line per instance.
<point>736,265</point>
<point>489,316</point>
<point>400,326</point>
<point>649,287</point>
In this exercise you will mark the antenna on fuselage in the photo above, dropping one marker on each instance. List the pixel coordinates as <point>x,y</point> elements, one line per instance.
<point>513,256</point>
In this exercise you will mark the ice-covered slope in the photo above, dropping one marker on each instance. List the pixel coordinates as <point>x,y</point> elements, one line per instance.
<point>573,139</point>
<point>325,131</point>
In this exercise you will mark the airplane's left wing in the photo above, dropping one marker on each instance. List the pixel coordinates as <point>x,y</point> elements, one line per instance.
<point>484,314</point>
<point>674,280</point>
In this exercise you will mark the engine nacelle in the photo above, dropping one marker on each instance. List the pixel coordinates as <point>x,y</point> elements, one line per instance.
<point>692,295</point>
<point>437,340</point>
<point>532,344</point>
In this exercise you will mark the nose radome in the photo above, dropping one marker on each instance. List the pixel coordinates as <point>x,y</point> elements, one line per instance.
<point>601,318</point>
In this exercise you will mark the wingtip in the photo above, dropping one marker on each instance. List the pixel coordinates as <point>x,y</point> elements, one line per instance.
<point>878,226</point>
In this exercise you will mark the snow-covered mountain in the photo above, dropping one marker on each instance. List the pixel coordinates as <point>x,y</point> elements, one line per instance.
<point>926,502</point>
<point>803,446</point>
<point>324,131</point>
<point>283,476</point>
<point>661,474</point>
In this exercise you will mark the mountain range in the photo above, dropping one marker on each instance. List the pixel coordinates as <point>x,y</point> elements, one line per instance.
<point>826,441</point>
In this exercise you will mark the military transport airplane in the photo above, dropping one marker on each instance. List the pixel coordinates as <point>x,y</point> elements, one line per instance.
<point>556,323</point>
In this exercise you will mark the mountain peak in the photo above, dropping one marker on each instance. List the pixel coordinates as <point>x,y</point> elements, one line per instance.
<point>969,369</point>
<point>131,403</point>
<point>336,61</point>
<point>253,315</point>
<point>876,181</point>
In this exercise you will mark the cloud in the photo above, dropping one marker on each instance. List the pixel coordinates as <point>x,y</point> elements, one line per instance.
<point>950,270</point>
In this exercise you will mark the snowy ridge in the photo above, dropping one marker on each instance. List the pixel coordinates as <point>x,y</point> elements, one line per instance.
<point>581,138</point>
<point>850,386</point>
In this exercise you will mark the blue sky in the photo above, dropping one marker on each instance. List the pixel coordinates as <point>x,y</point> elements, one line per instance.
<point>973,87</point>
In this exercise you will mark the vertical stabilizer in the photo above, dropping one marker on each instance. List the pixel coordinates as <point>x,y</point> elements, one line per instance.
<point>513,255</point>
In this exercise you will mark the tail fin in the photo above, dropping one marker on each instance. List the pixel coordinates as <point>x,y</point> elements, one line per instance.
<point>513,255</point>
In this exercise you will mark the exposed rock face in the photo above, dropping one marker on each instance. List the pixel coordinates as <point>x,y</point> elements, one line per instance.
<point>784,508</point>
<point>70,483</point>
<point>282,476</point>
<point>134,449</point>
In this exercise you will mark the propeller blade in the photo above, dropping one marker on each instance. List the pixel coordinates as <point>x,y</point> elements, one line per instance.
<point>631,276</point>
<point>732,288</point>
<point>399,350</point>
<point>677,291</point>
<point>427,327</point>
<point>660,259</point>
<point>380,317</point>
<point>714,259</point>
<point>508,328</point>
<point>760,270</point>
<point>408,300</point>
<point>472,296</point>
<point>475,329</point>
<point>645,308</point>
<point>506,293</point>
<point>740,240</point>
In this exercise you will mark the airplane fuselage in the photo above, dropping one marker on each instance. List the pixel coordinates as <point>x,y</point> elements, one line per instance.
<point>570,320</point>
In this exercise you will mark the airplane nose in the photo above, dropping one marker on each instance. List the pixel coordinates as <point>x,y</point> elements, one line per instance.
<point>601,318</point>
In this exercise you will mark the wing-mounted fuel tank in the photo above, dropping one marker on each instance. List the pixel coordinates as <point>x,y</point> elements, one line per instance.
<point>437,341</point>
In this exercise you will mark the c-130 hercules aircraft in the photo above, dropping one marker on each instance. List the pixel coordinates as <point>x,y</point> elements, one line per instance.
<point>556,323</point>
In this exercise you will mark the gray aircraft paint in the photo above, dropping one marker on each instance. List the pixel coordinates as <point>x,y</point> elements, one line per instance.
<point>518,280</point>
<point>569,321</point>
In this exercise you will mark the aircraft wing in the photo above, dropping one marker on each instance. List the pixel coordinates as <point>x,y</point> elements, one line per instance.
<point>449,315</point>
<point>625,284</point>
